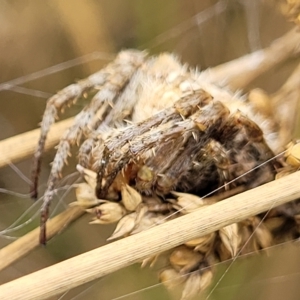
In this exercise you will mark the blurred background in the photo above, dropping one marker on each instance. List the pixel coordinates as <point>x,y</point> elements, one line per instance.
<point>46,45</point>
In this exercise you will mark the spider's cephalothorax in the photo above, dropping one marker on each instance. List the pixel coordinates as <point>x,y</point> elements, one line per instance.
<point>156,129</point>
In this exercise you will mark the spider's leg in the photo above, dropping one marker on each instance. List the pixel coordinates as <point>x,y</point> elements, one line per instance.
<point>198,166</point>
<point>247,150</point>
<point>195,130</point>
<point>206,171</point>
<point>184,165</point>
<point>157,164</point>
<point>117,151</point>
<point>121,109</point>
<point>172,176</point>
<point>216,152</point>
<point>125,64</point>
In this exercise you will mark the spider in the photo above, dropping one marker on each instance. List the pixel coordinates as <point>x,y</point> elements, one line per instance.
<point>156,137</point>
<point>162,123</point>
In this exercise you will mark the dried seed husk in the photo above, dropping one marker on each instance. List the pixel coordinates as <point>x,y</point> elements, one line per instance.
<point>206,278</point>
<point>150,260</point>
<point>187,203</point>
<point>124,226</point>
<point>202,244</point>
<point>293,154</point>
<point>192,286</point>
<point>223,252</point>
<point>89,176</point>
<point>185,259</point>
<point>171,278</point>
<point>106,213</point>
<point>130,197</point>
<point>85,196</point>
<point>263,236</point>
<point>231,238</point>
<point>149,220</point>
<point>141,210</point>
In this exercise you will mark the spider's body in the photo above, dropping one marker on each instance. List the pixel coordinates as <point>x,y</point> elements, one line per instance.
<point>190,134</point>
<point>155,127</point>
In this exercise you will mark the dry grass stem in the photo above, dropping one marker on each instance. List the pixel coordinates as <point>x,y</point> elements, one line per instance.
<point>109,258</point>
<point>28,242</point>
<point>240,72</point>
<point>21,146</point>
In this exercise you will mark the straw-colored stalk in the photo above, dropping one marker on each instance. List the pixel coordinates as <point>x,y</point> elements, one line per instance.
<point>240,72</point>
